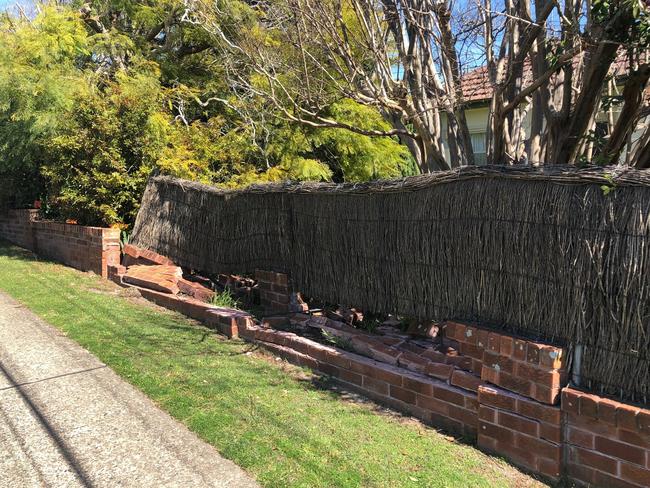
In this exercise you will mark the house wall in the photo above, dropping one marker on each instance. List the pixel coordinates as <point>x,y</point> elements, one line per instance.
<point>477,120</point>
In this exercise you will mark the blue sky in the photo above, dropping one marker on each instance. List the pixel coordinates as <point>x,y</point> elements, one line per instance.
<point>10,3</point>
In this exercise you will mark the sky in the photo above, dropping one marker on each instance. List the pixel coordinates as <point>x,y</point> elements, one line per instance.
<point>5,4</point>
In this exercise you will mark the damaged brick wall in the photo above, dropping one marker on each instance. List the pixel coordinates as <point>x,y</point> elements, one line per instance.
<point>507,393</point>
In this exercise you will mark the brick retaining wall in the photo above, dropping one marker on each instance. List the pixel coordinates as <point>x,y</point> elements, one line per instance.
<point>508,394</point>
<point>81,247</point>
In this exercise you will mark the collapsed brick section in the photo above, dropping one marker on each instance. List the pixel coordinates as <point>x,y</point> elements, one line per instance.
<point>590,439</point>
<point>531,369</point>
<point>227,321</point>
<point>525,431</point>
<point>84,248</point>
<point>133,255</point>
<point>160,277</point>
<point>431,400</point>
<point>607,442</point>
<point>275,293</point>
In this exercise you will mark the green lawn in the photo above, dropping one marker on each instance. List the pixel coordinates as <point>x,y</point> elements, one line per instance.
<point>265,415</point>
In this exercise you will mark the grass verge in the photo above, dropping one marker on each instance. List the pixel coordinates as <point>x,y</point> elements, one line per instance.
<point>268,417</point>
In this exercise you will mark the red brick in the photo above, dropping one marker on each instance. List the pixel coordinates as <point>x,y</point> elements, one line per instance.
<point>635,474</point>
<point>519,456</point>
<point>545,377</point>
<point>580,438</point>
<point>461,362</point>
<point>482,336</point>
<point>438,370</point>
<point>487,443</point>
<point>490,375</point>
<point>640,439</point>
<point>488,395</point>
<point>417,385</point>
<point>589,406</point>
<point>581,473</point>
<point>350,377</point>
<point>517,423</point>
<point>467,417</point>
<point>433,404</point>
<point>329,370</point>
<point>507,346</point>
<point>540,447</point>
<point>455,330</point>
<point>375,386</point>
<point>433,355</point>
<point>488,414</point>
<point>594,459</point>
<point>470,336</point>
<point>532,352</point>
<point>550,432</point>
<point>412,361</point>
<point>501,434</point>
<point>513,383</point>
<point>498,362</point>
<point>607,410</point>
<point>450,395</point>
<point>605,480</point>
<point>337,359</point>
<point>626,416</point>
<point>551,357</point>
<point>471,402</point>
<point>550,396</point>
<point>385,354</point>
<point>471,350</point>
<point>619,450</point>
<point>519,352</point>
<point>538,411</point>
<point>550,468</point>
<point>465,380</point>
<point>407,396</point>
<point>494,342</point>
<point>387,376</point>
<point>643,421</point>
<point>365,366</point>
<point>571,400</point>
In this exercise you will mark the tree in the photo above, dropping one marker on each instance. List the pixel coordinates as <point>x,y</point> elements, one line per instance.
<point>407,58</point>
<point>92,99</point>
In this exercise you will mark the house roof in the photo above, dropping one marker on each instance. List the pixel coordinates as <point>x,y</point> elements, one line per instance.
<point>477,87</point>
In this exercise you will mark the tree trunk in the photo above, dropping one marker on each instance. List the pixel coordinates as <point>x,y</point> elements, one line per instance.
<point>633,97</point>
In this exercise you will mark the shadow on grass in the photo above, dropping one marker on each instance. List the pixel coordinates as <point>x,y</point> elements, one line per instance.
<point>12,251</point>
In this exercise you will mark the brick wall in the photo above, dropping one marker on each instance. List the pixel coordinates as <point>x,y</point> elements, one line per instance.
<point>586,438</point>
<point>431,400</point>
<point>83,248</point>
<point>523,430</point>
<point>489,392</point>
<point>607,442</point>
<point>529,368</point>
<point>16,227</point>
<point>507,392</point>
<point>275,292</point>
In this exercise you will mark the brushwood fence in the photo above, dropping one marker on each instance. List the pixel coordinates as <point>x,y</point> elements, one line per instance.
<point>558,254</point>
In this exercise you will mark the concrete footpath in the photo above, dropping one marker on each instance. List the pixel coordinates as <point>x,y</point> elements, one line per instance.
<point>67,420</point>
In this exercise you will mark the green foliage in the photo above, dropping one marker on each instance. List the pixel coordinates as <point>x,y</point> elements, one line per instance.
<point>225,299</point>
<point>361,157</point>
<point>98,162</point>
<point>333,154</point>
<point>87,113</point>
